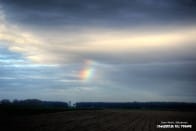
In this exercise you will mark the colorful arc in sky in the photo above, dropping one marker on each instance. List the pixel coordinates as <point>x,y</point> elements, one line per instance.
<point>87,72</point>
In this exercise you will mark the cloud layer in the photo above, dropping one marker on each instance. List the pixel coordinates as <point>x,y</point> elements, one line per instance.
<point>99,12</point>
<point>138,50</point>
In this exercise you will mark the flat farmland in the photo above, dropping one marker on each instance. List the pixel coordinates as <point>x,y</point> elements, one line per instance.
<point>97,120</point>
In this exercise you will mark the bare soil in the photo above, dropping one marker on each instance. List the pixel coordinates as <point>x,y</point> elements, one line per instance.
<point>97,120</point>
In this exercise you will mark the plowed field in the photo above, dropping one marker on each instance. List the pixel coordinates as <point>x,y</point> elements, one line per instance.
<point>98,120</point>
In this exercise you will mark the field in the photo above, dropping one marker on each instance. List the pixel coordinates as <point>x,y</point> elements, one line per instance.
<point>96,120</point>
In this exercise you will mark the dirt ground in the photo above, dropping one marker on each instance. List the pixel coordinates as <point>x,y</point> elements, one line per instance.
<point>98,120</point>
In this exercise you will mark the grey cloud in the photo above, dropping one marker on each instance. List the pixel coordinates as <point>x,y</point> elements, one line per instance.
<point>177,79</point>
<point>99,12</point>
<point>15,75</point>
<point>114,82</point>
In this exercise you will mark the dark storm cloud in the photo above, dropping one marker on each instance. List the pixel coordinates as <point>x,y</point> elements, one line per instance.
<point>99,12</point>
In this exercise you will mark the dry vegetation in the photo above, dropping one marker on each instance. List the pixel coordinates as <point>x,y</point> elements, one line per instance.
<point>96,120</point>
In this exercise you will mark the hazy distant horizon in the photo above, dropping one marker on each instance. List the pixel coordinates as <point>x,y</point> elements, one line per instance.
<point>97,50</point>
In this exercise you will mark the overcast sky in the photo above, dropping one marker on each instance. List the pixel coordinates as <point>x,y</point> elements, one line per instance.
<point>98,50</point>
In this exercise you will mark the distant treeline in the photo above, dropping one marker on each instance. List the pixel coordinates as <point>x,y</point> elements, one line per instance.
<point>30,107</point>
<point>34,103</point>
<point>138,105</point>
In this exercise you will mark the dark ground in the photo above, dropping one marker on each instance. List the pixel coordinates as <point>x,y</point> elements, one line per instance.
<point>94,120</point>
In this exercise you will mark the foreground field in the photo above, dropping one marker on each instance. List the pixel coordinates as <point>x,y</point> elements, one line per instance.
<point>96,120</point>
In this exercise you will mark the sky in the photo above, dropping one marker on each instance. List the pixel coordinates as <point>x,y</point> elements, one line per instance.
<point>98,50</point>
